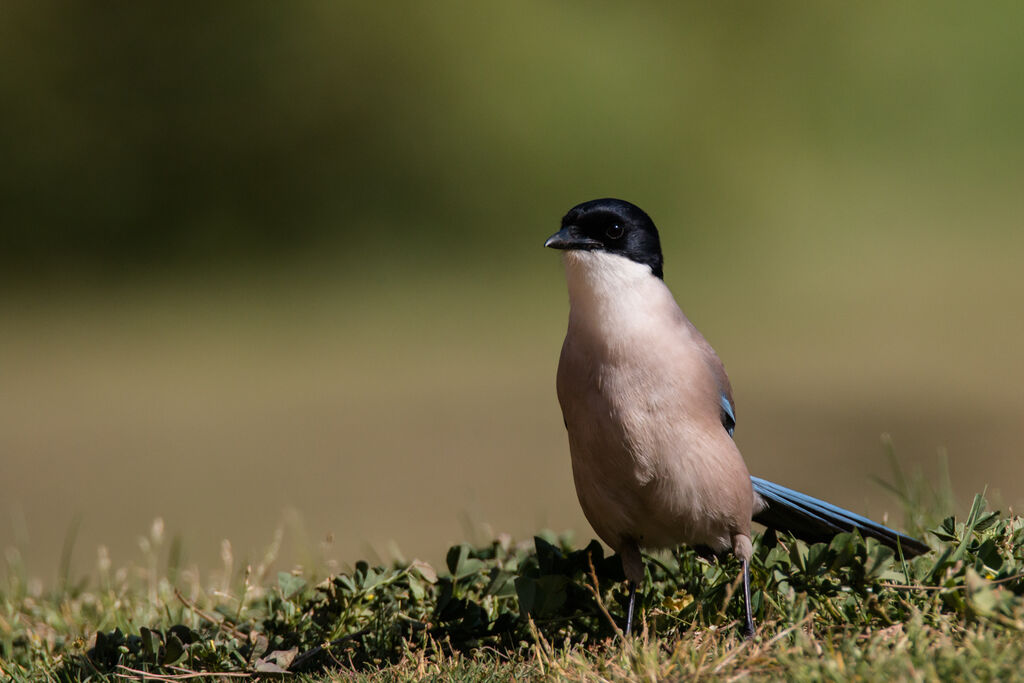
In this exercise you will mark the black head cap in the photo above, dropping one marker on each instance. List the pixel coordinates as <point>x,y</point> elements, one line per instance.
<point>611,225</point>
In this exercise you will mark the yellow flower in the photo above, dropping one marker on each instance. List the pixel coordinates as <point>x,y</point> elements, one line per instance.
<point>677,601</point>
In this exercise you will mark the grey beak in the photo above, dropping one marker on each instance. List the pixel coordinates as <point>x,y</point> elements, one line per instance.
<point>565,239</point>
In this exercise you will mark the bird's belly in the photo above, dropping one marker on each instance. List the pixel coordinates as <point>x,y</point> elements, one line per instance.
<point>651,460</point>
<point>656,494</point>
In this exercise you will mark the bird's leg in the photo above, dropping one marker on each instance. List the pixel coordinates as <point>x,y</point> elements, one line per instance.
<point>633,568</point>
<point>748,631</point>
<point>629,612</point>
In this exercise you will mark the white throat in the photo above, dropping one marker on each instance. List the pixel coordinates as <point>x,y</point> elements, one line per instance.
<point>613,293</point>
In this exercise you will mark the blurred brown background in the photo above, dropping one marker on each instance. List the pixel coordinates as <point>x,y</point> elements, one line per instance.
<point>274,264</point>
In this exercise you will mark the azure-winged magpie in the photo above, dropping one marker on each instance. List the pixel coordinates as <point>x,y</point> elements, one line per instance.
<point>650,413</point>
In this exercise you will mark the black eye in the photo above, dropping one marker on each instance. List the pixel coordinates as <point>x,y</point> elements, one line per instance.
<point>614,231</point>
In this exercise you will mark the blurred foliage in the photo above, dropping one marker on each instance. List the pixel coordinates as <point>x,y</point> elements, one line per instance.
<point>143,133</point>
<point>509,599</point>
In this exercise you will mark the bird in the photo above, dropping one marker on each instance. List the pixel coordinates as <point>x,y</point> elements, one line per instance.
<point>650,415</point>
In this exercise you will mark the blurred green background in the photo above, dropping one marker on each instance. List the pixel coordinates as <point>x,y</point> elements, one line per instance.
<point>273,264</point>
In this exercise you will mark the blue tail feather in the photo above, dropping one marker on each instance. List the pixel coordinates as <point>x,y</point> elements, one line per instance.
<point>815,520</point>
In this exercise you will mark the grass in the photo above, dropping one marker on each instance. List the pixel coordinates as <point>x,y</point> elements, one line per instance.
<point>541,609</point>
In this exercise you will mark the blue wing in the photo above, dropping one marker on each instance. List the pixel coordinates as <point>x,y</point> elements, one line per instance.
<point>728,414</point>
